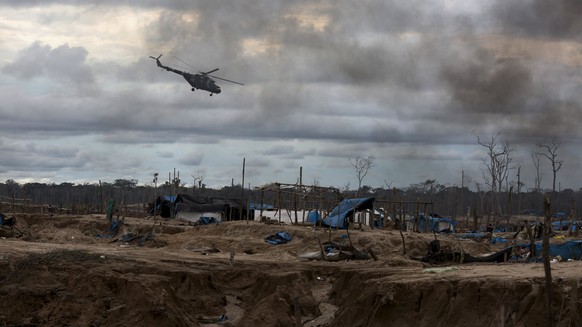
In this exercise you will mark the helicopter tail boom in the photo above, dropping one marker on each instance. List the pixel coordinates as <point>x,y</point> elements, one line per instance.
<point>158,60</point>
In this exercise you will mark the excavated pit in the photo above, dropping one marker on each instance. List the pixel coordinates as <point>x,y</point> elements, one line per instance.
<point>56,272</point>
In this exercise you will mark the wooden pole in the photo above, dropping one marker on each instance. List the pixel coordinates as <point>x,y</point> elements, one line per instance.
<point>394,206</point>
<point>279,201</point>
<point>242,188</point>
<point>295,207</point>
<point>302,198</point>
<point>262,197</point>
<point>546,257</point>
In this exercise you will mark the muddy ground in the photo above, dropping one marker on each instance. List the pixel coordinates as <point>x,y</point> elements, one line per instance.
<point>56,271</point>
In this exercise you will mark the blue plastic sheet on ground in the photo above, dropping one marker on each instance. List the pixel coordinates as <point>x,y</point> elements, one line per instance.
<point>567,250</point>
<point>498,240</point>
<point>206,220</point>
<point>279,238</point>
<point>6,221</point>
<point>113,229</point>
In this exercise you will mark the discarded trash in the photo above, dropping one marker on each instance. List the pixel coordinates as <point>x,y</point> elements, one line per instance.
<point>336,252</point>
<point>6,221</point>
<point>113,229</point>
<point>140,238</point>
<point>279,238</point>
<point>204,221</point>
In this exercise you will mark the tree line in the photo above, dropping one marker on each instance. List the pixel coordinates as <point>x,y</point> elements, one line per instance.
<point>495,197</point>
<point>453,201</point>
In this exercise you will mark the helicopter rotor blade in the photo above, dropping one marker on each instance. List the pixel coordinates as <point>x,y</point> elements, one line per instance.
<point>209,72</point>
<point>224,79</point>
<point>182,61</point>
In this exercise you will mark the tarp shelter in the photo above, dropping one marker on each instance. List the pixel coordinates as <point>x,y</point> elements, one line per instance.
<point>567,250</point>
<point>163,205</point>
<point>313,217</point>
<point>436,224</point>
<point>343,214</point>
<point>193,209</point>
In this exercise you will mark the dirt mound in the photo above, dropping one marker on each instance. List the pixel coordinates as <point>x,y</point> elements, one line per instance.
<point>57,272</point>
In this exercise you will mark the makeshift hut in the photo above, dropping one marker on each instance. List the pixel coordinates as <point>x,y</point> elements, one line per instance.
<point>163,205</point>
<point>436,224</point>
<point>343,214</point>
<point>192,209</point>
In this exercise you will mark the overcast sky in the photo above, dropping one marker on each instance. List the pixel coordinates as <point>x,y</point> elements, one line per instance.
<point>410,83</point>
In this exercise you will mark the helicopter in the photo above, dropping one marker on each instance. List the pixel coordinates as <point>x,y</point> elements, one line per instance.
<point>201,81</point>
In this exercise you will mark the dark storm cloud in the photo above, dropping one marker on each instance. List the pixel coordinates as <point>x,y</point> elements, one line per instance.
<point>556,19</point>
<point>372,74</point>
<point>480,83</point>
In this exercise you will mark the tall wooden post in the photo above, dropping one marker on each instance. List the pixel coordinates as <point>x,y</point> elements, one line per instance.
<point>394,206</point>
<point>242,189</point>
<point>279,201</point>
<point>546,257</point>
<point>262,197</point>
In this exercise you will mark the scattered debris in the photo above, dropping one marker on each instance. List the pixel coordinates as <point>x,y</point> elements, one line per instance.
<point>336,252</point>
<point>279,238</point>
<point>207,251</point>
<point>136,238</point>
<point>4,221</point>
<point>437,254</point>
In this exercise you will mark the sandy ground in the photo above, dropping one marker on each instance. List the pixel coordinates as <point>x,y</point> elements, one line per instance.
<point>57,272</point>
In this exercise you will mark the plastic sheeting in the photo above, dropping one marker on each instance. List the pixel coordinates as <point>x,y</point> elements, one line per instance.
<point>339,216</point>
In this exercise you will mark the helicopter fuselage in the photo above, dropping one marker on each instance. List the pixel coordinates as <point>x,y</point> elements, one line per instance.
<point>202,81</point>
<point>199,81</point>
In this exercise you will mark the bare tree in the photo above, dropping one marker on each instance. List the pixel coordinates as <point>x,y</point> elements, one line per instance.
<point>535,157</point>
<point>497,164</point>
<point>362,167</point>
<point>551,154</point>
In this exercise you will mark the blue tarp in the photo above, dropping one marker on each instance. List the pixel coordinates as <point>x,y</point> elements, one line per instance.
<point>433,223</point>
<point>337,217</point>
<point>113,229</point>
<point>499,240</point>
<point>564,225</point>
<point>313,217</point>
<point>279,238</point>
<point>206,220</point>
<point>567,250</point>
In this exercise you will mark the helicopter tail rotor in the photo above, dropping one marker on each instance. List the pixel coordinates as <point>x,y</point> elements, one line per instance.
<point>155,57</point>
